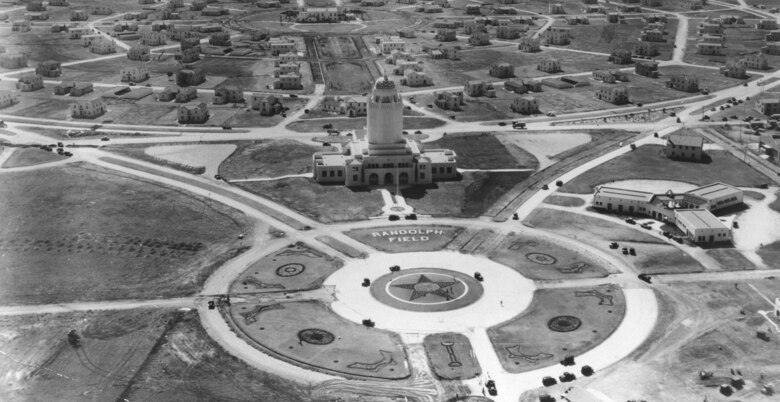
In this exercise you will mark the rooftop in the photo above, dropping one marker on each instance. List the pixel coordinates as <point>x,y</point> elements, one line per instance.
<point>700,218</point>
<point>625,193</point>
<point>686,140</point>
<point>714,190</point>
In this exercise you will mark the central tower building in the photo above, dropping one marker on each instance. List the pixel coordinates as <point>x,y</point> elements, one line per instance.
<point>383,156</point>
<point>385,120</point>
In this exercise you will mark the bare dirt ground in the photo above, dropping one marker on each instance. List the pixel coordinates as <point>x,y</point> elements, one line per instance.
<point>544,147</point>
<point>701,327</point>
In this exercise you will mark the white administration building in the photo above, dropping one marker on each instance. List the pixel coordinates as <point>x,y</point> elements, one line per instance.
<point>384,157</point>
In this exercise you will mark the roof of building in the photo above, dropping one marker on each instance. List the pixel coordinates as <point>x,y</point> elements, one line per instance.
<point>686,140</point>
<point>699,218</point>
<point>625,193</point>
<point>714,190</point>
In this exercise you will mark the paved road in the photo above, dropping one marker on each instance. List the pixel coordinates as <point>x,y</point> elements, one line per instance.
<point>641,306</point>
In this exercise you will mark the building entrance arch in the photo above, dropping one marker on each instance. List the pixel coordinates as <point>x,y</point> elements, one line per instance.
<point>388,178</point>
<point>373,179</point>
<point>403,178</point>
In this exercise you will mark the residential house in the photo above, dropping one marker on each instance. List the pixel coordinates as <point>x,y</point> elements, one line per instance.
<point>615,95</point>
<point>29,82</point>
<point>88,108</point>
<point>267,105</point>
<point>414,78</point>
<point>195,114</point>
<point>529,44</point>
<point>228,94</point>
<point>49,68</point>
<point>134,74</point>
<point>502,70</point>
<point>647,69</point>
<point>140,53</point>
<point>448,100</point>
<point>684,146</point>
<point>549,65</point>
<point>525,105</point>
<point>620,56</point>
<point>683,83</point>
<point>479,88</point>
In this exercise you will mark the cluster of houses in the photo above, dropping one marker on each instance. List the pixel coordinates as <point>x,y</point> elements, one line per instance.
<point>404,63</point>
<point>771,39</point>
<point>287,70</point>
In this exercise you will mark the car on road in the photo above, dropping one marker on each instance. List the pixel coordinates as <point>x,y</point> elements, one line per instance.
<point>625,250</point>
<point>567,377</point>
<point>478,276</point>
<point>104,139</point>
<point>644,277</point>
<point>630,221</point>
<point>293,95</point>
<point>218,177</point>
<point>613,245</point>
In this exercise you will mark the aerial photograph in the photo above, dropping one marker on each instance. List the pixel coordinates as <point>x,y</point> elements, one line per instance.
<point>390,200</point>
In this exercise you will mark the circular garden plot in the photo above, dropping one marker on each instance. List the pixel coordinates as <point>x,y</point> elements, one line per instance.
<point>426,289</point>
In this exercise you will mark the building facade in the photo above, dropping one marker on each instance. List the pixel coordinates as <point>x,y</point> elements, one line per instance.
<point>384,157</point>
<point>196,114</point>
<point>87,108</point>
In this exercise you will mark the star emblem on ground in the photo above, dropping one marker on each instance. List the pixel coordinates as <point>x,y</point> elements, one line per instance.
<point>424,286</point>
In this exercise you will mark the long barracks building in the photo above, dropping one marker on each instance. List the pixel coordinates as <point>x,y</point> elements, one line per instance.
<point>691,211</point>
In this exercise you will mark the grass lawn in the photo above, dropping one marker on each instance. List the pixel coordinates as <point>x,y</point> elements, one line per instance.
<point>138,151</point>
<point>30,157</point>
<point>82,232</point>
<point>268,158</point>
<point>190,365</point>
<point>425,237</point>
<point>347,77</point>
<point>467,198</point>
<point>770,253</point>
<point>653,254</point>
<point>539,259</point>
<point>648,162</point>
<point>340,346</point>
<point>564,201</point>
<point>253,118</point>
<point>572,223</point>
<point>731,258</point>
<point>438,348</point>
<point>295,267</point>
<point>358,123</point>
<point>325,203</point>
<point>603,37</point>
<point>482,151</point>
<point>527,342</point>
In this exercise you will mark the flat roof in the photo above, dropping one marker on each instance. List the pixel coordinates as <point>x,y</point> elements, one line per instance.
<point>700,218</point>
<point>625,193</point>
<point>714,190</point>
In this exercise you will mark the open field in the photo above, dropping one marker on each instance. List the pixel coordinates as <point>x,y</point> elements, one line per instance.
<point>653,255</point>
<point>40,364</point>
<point>358,123</point>
<point>293,268</point>
<point>603,37</point>
<point>469,197</point>
<point>30,157</point>
<point>321,340</point>
<point>564,201</point>
<point>464,365</point>
<point>540,259</point>
<point>347,77</point>
<point>558,323</point>
<point>40,44</point>
<point>272,158</point>
<point>82,232</point>
<point>319,201</point>
<point>252,118</point>
<point>423,237</point>
<point>701,327</point>
<point>648,162</point>
<point>483,151</point>
<point>337,47</point>
<point>641,89</point>
<point>474,64</point>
